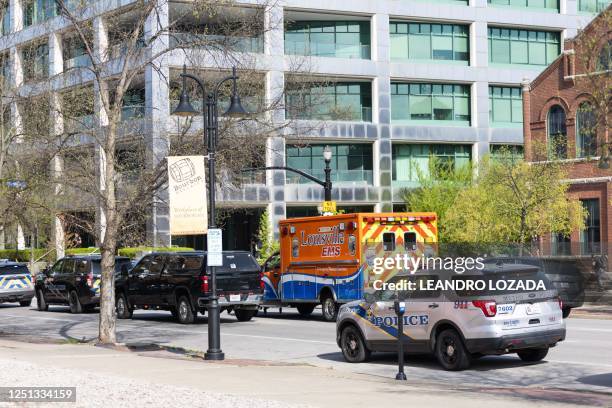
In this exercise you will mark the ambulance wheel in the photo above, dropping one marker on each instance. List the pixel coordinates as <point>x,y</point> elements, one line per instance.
<point>244,315</point>
<point>566,312</point>
<point>450,351</point>
<point>305,309</point>
<point>329,309</point>
<point>353,347</point>
<point>74,302</point>
<point>41,303</point>
<point>25,303</point>
<point>533,355</point>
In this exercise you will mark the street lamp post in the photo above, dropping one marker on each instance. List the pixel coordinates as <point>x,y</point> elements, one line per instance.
<point>326,184</point>
<point>211,127</point>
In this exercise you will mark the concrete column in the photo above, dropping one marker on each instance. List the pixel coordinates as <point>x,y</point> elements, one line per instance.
<point>381,106</point>
<point>479,44</point>
<point>274,45</point>
<point>20,238</point>
<point>100,39</point>
<point>157,95</point>
<point>2,238</point>
<point>56,58</point>
<point>527,120</point>
<point>16,15</point>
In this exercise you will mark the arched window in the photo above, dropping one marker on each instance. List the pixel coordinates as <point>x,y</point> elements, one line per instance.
<point>586,131</point>
<point>605,57</point>
<point>557,132</point>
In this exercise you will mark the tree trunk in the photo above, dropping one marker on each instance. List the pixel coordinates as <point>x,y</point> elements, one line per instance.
<point>108,317</point>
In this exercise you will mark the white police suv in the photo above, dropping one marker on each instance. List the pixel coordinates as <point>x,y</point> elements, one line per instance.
<point>456,321</point>
<point>16,283</point>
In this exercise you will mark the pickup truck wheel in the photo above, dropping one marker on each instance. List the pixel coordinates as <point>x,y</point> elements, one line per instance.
<point>533,355</point>
<point>329,308</point>
<point>74,302</point>
<point>244,315</point>
<point>353,347</point>
<point>41,303</point>
<point>450,351</point>
<point>185,312</point>
<point>305,309</point>
<point>25,303</point>
<point>123,309</point>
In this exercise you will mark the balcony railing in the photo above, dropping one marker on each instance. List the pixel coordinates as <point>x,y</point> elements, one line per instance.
<point>132,112</point>
<point>77,62</point>
<point>358,51</point>
<point>363,114</point>
<point>337,176</point>
<point>243,44</point>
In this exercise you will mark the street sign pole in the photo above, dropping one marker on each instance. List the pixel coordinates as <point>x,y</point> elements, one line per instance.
<point>400,308</point>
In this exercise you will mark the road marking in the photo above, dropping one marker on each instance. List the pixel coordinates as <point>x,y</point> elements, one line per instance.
<point>580,363</point>
<point>589,330</point>
<point>51,319</point>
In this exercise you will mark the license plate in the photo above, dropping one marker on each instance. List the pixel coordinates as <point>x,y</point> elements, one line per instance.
<point>534,309</point>
<point>234,298</point>
<point>505,309</point>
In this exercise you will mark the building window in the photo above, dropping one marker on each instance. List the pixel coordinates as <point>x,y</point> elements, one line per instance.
<point>350,163</point>
<point>389,242</point>
<point>526,47</point>
<point>35,61</point>
<point>339,39</point>
<point>446,103</point>
<point>505,106</point>
<point>6,20</point>
<point>37,11</point>
<point>561,244</point>
<point>75,53</point>
<point>586,131</point>
<point>341,101</point>
<point>557,132</point>
<point>422,41</point>
<point>590,237</point>
<point>133,104</point>
<point>592,6</point>
<point>513,152</point>
<point>605,57</point>
<point>534,4</point>
<point>413,160</point>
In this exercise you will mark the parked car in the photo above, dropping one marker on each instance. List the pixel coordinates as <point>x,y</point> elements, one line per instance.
<point>457,326</point>
<point>73,281</point>
<point>16,283</point>
<point>178,282</point>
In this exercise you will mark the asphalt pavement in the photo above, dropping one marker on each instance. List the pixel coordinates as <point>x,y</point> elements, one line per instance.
<point>577,369</point>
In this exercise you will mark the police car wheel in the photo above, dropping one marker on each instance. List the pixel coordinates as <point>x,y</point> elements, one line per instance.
<point>123,310</point>
<point>329,309</point>
<point>533,355</point>
<point>74,302</point>
<point>185,313</point>
<point>41,303</point>
<point>353,347</point>
<point>450,351</point>
<point>25,303</point>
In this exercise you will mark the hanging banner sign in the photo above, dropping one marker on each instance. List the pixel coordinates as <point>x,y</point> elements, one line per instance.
<point>187,194</point>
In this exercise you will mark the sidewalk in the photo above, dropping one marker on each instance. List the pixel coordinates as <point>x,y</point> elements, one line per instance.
<point>114,377</point>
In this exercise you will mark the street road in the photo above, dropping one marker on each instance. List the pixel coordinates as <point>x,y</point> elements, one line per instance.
<point>577,369</point>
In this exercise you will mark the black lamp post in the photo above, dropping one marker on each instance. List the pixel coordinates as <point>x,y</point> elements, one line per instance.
<point>211,128</point>
<point>327,156</point>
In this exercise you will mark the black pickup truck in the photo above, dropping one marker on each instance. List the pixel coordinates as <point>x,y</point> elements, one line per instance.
<point>178,282</point>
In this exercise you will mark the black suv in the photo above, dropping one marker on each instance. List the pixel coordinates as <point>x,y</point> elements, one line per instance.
<point>177,281</point>
<point>74,281</point>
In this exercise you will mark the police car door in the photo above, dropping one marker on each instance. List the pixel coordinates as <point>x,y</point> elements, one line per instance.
<point>49,281</point>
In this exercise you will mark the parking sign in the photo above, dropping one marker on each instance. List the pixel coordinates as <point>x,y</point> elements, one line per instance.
<point>214,243</point>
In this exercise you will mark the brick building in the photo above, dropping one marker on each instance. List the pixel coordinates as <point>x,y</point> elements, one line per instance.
<point>557,122</point>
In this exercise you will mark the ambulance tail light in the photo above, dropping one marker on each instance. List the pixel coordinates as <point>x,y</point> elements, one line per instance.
<point>262,285</point>
<point>560,302</point>
<point>203,284</point>
<point>488,307</point>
